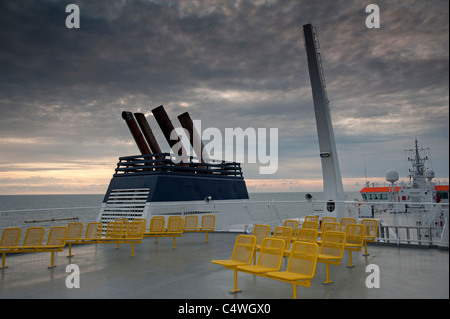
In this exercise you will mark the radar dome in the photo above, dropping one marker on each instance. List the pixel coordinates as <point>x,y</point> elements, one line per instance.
<point>429,174</point>
<point>391,175</point>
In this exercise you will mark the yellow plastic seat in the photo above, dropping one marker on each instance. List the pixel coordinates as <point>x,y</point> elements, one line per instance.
<point>354,239</point>
<point>301,266</point>
<point>310,225</point>
<point>157,224</point>
<point>55,242</point>
<point>270,257</point>
<point>260,232</point>
<point>292,223</point>
<point>10,240</point>
<point>208,224</point>
<point>304,235</point>
<point>244,248</point>
<point>190,223</point>
<point>175,226</point>
<point>311,219</point>
<point>331,250</point>
<point>328,226</point>
<point>345,221</point>
<point>371,232</point>
<point>74,232</point>
<point>284,233</point>
<point>323,221</point>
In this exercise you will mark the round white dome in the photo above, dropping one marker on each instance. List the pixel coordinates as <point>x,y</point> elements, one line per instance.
<point>391,175</point>
<point>429,173</point>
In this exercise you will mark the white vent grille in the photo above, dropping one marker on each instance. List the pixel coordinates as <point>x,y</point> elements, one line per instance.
<point>125,203</point>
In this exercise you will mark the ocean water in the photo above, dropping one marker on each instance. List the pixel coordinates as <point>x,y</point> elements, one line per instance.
<point>35,210</point>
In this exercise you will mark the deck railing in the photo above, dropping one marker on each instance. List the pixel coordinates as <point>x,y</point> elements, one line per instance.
<point>166,163</point>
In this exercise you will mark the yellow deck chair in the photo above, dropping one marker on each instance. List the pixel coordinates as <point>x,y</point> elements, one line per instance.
<point>244,248</point>
<point>309,224</point>
<point>74,232</point>
<point>284,233</point>
<point>208,224</point>
<point>269,259</point>
<point>10,240</point>
<point>345,221</point>
<point>332,250</point>
<point>93,231</point>
<point>260,232</point>
<point>301,267</point>
<point>354,239</point>
<point>190,223</point>
<point>175,226</point>
<point>326,219</point>
<point>328,226</point>
<point>55,242</point>
<point>311,218</point>
<point>371,232</point>
<point>135,233</point>
<point>304,235</point>
<point>294,225</point>
<point>156,229</point>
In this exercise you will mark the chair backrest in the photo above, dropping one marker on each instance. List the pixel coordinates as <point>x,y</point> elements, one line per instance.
<point>34,236</point>
<point>136,229</point>
<point>328,219</point>
<point>311,219</point>
<point>261,232</point>
<point>115,229</point>
<point>175,224</point>
<point>291,223</point>
<point>74,230</point>
<point>371,228</point>
<point>308,224</point>
<point>333,243</point>
<point>57,236</point>
<point>284,233</point>
<point>140,219</point>
<point>331,226</point>
<point>208,222</point>
<point>94,230</point>
<point>354,234</point>
<point>190,222</point>
<point>157,224</point>
<point>271,253</point>
<point>345,221</point>
<point>10,237</point>
<point>307,235</point>
<point>303,259</point>
<point>244,247</point>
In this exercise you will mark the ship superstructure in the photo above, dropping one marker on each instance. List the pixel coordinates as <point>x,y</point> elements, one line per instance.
<point>164,184</point>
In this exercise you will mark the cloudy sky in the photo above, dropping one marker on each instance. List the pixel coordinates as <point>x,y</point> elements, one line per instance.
<point>229,64</point>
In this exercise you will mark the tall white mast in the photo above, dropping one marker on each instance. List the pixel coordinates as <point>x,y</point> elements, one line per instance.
<point>332,181</point>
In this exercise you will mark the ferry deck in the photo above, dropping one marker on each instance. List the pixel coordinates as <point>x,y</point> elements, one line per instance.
<point>158,271</point>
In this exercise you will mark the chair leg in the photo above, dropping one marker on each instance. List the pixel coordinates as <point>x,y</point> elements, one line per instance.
<point>70,250</point>
<point>132,249</point>
<point>3,261</point>
<point>295,291</point>
<point>52,258</point>
<point>365,249</point>
<point>328,281</point>
<point>235,290</point>
<point>350,264</point>
<point>206,236</point>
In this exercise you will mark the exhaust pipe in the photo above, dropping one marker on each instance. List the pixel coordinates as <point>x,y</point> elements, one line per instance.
<point>136,132</point>
<point>166,126</point>
<point>187,124</point>
<point>148,133</point>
